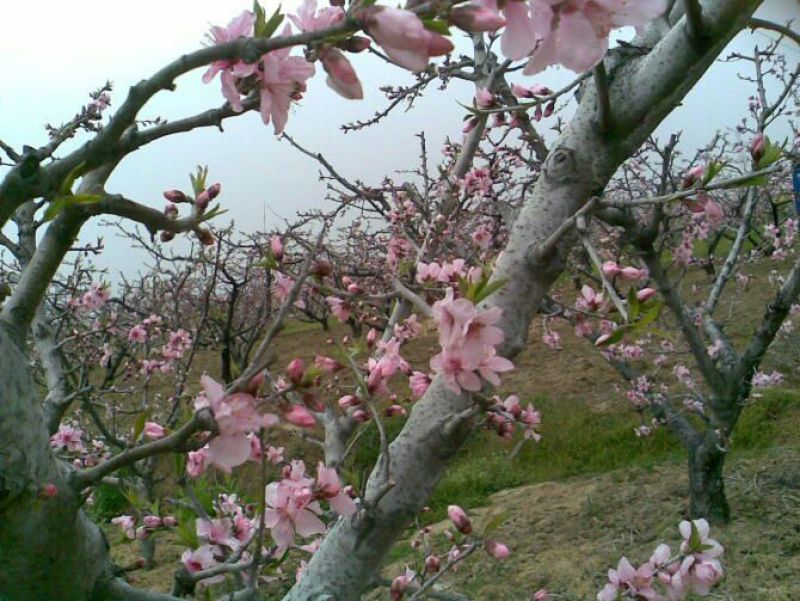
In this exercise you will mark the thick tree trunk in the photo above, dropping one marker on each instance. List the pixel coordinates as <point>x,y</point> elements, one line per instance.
<point>706,485</point>
<point>48,548</point>
<point>642,93</point>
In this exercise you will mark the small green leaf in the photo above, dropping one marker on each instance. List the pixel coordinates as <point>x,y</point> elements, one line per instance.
<point>66,186</point>
<point>215,211</point>
<point>493,521</point>
<point>274,22</point>
<point>712,170</point>
<point>489,289</point>
<point>772,153</point>
<point>437,26</point>
<point>615,337</point>
<point>633,304</point>
<point>138,426</point>
<point>261,19</point>
<point>650,315</point>
<point>199,180</point>
<point>54,208</point>
<point>694,539</point>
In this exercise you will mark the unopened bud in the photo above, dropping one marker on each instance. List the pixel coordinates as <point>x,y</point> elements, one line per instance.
<point>213,190</point>
<point>433,564</point>
<point>459,518</point>
<point>206,238</point>
<point>202,201</point>
<point>49,490</point>
<point>167,236</point>
<point>758,146</point>
<point>175,196</point>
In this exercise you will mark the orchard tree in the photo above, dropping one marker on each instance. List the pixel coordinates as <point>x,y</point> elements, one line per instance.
<point>50,549</point>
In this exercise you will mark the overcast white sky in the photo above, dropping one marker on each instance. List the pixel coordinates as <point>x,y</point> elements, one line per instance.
<point>54,52</point>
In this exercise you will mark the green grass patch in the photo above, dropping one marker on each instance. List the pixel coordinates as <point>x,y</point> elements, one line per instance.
<point>577,442</point>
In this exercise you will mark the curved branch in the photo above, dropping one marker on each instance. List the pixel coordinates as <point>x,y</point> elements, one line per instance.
<point>203,420</point>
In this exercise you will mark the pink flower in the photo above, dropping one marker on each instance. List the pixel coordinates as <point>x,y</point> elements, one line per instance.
<point>274,455</point>
<point>138,334</point>
<point>419,382</point>
<point>307,18</point>
<point>574,33</point>
<point>291,508</point>
<point>589,300</point>
<point>282,79</point>
<point>403,37</point>
<point>329,488</point>
<point>460,519</point>
<point>153,430</point>
<point>217,532</point>
<point>645,294</point>
<point>197,461</point>
<point>638,583</point>
<point>340,308</point>
<point>127,523</point>
<point>484,98</point>
<point>492,365</point>
<point>283,287</point>
<point>241,26</point>
<point>200,559</point>
<point>95,297</point>
<point>458,369</point>
<point>68,438</point>
<point>276,246</point>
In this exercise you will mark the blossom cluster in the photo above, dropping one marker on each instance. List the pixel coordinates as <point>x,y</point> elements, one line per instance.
<point>695,569</point>
<point>468,339</point>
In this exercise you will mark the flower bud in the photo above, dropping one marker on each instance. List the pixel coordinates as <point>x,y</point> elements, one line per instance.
<point>48,491</point>
<point>693,175</point>
<point>459,518</point>
<point>175,196</point>
<point>151,521</point>
<point>473,18</point>
<point>214,190</point>
<point>297,415</point>
<point>646,294</point>
<point>170,210</point>
<point>496,549</point>
<point>432,564</point>
<point>202,201</point>
<point>167,236</point>
<point>360,415</point>
<point>356,43</point>
<point>321,269</point>
<point>393,410</point>
<point>295,370</point>
<point>276,246</point>
<point>349,400</point>
<point>206,237</point>
<point>170,521</point>
<point>399,585</point>
<point>757,146</point>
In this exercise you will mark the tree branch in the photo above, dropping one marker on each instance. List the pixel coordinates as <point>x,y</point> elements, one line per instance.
<point>203,420</point>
